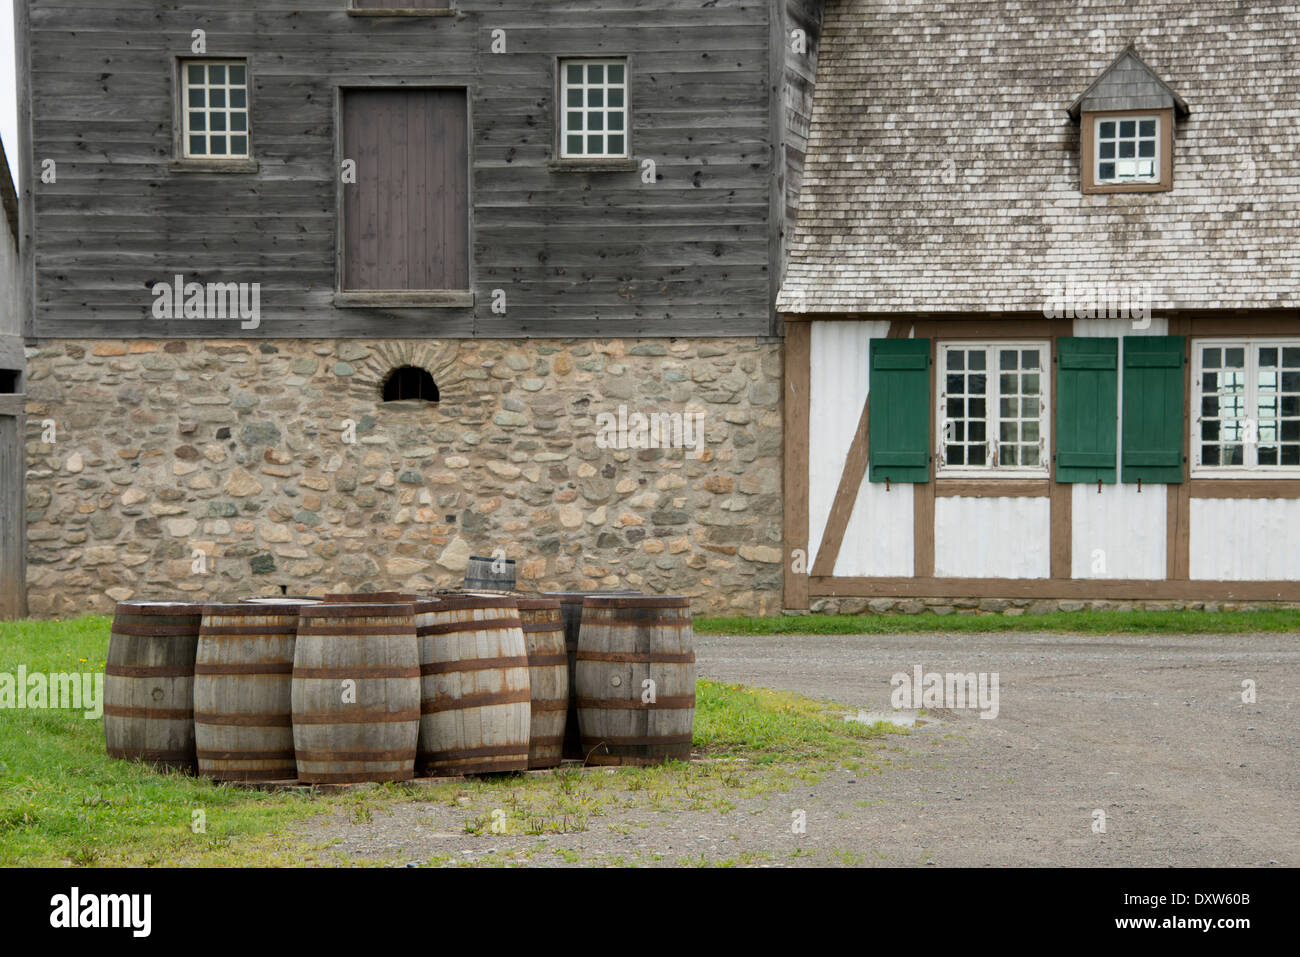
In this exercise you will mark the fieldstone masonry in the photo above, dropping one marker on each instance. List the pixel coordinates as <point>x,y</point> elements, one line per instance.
<point>215,470</point>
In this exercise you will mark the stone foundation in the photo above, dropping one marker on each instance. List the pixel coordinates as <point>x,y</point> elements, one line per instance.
<point>214,470</point>
<point>1016,606</point>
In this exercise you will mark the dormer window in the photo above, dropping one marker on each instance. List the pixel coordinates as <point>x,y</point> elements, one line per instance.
<point>1126,129</point>
<point>1127,150</point>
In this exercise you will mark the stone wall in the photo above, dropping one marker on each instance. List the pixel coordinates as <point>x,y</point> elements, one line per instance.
<point>214,470</point>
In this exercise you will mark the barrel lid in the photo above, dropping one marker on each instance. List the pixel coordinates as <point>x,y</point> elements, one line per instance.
<point>252,608</point>
<point>636,601</point>
<point>575,597</point>
<point>538,604</point>
<point>368,598</point>
<point>460,601</point>
<point>158,607</point>
<point>483,558</point>
<point>280,600</point>
<point>358,609</point>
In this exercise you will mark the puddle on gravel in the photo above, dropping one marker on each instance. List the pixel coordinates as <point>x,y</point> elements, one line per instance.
<point>901,719</point>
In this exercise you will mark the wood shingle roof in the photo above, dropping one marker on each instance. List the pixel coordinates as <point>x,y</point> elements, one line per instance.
<point>943,167</point>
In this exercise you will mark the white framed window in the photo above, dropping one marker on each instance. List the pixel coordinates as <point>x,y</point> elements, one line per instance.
<point>594,114</point>
<point>993,408</point>
<point>214,99</point>
<point>1247,417</point>
<point>1127,149</point>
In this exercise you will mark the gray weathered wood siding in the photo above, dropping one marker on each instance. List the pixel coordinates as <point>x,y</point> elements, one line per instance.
<point>577,253</point>
<point>13,470</point>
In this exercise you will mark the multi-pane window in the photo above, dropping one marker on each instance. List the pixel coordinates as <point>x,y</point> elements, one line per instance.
<point>594,118</point>
<point>1127,150</point>
<point>215,98</point>
<point>993,407</point>
<point>1249,416</point>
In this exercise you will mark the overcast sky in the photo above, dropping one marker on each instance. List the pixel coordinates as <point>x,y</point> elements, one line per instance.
<point>8,86</point>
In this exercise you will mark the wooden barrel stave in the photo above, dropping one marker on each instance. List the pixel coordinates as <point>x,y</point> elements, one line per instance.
<point>370,736</point>
<point>548,678</point>
<point>571,611</point>
<point>623,642</point>
<point>475,691</point>
<point>243,683</point>
<point>149,683</point>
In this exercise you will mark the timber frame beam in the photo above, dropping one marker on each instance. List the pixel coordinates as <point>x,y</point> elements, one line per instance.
<point>814,576</point>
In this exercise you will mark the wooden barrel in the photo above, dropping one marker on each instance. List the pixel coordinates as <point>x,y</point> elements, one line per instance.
<point>548,679</point>
<point>149,682</point>
<point>571,610</point>
<point>355,693</point>
<point>490,574</point>
<point>374,598</point>
<point>243,681</point>
<point>625,642</point>
<point>475,694</point>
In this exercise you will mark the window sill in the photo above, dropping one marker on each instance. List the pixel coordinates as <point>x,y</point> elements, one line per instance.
<point>213,166</point>
<point>1246,475</point>
<point>1127,188</point>
<point>576,165</point>
<point>401,12</point>
<point>1020,485</point>
<point>419,299</point>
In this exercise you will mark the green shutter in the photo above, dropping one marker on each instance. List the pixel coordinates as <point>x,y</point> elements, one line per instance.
<point>1087,420</point>
<point>1153,409</point>
<point>899,439</point>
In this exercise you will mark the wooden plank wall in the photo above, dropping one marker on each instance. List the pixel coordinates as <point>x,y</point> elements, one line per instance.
<point>578,253</point>
<point>13,471</point>
<point>13,576</point>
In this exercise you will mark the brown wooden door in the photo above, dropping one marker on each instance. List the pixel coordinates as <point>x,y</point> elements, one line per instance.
<point>406,218</point>
<point>13,585</point>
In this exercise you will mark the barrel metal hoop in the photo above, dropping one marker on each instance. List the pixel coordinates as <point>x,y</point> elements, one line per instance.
<point>456,627</point>
<point>589,742</point>
<point>486,751</point>
<point>248,631</point>
<point>155,714</point>
<point>149,671</point>
<point>547,661</point>
<point>472,664</point>
<point>276,719</point>
<point>550,704</point>
<point>356,672</point>
<point>639,657</point>
<point>662,702</point>
<point>465,702</point>
<point>246,755</point>
<point>354,777</point>
<point>245,668</point>
<point>402,629</point>
<point>391,754</point>
<point>357,717</point>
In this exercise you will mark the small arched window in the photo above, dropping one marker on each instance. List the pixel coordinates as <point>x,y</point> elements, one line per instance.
<point>410,382</point>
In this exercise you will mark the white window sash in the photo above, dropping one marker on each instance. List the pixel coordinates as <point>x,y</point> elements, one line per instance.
<point>605,111</point>
<point>1096,151</point>
<point>1250,399</point>
<point>208,111</point>
<point>993,413</point>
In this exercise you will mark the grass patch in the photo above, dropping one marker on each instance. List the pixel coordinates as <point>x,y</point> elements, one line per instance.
<point>1065,622</point>
<point>64,802</point>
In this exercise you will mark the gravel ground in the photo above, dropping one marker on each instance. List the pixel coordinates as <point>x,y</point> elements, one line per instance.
<point>1151,731</point>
